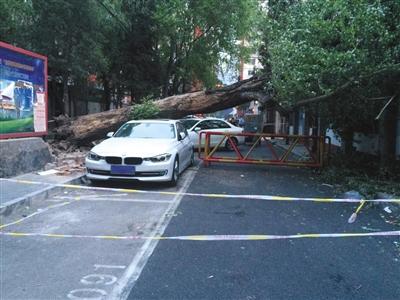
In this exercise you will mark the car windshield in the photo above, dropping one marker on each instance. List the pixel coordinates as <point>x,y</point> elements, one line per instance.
<point>147,130</point>
<point>188,123</point>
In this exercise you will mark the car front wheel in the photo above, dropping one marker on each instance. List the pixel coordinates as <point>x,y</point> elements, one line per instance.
<point>175,173</point>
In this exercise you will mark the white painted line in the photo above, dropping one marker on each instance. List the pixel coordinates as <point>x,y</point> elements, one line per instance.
<point>54,200</point>
<point>124,285</point>
<point>105,195</point>
<point>97,266</point>
<point>84,198</point>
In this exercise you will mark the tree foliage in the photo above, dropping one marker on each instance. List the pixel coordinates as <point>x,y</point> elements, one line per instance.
<point>193,34</point>
<point>15,21</point>
<point>134,47</point>
<point>349,50</point>
<point>145,110</point>
<point>67,32</point>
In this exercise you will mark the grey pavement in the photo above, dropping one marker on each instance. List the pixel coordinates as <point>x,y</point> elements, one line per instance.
<point>13,190</point>
<point>299,150</point>
<point>315,268</point>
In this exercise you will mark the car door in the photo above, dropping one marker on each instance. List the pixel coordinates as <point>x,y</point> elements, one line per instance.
<point>218,126</point>
<point>194,134</point>
<point>185,146</point>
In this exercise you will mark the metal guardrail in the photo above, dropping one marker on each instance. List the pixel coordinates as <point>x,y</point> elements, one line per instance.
<point>317,147</point>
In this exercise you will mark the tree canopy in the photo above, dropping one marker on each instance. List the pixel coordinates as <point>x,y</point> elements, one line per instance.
<point>193,34</point>
<point>153,47</point>
<point>346,53</point>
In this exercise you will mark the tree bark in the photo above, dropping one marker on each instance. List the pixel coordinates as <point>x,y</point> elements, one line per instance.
<point>348,138</point>
<point>85,129</point>
<point>65,97</point>
<point>212,100</point>
<point>106,93</point>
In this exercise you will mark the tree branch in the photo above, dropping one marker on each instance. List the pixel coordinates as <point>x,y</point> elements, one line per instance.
<point>386,105</point>
<point>393,68</point>
<point>324,97</point>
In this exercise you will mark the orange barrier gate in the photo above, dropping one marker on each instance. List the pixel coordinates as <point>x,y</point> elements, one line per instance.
<point>279,148</point>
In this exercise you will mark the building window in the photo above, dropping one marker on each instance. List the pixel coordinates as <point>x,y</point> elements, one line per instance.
<point>250,72</point>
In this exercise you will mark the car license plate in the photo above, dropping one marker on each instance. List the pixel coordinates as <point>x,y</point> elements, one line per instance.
<point>122,170</point>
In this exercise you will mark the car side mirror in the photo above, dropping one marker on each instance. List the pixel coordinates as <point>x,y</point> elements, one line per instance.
<point>110,134</point>
<point>181,136</point>
<point>197,129</point>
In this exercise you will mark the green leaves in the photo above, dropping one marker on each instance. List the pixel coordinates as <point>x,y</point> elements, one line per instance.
<point>193,34</point>
<point>315,47</point>
<point>145,110</point>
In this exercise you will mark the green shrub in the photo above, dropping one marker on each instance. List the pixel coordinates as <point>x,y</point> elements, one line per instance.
<point>145,110</point>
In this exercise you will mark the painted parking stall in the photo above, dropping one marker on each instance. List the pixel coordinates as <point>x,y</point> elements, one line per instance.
<point>84,268</point>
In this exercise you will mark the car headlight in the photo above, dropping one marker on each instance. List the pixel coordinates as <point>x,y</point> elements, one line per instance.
<point>158,158</point>
<point>93,156</point>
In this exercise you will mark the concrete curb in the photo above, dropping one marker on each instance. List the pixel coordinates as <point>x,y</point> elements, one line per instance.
<point>44,193</point>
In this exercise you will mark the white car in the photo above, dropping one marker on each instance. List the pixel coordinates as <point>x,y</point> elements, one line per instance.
<point>145,150</point>
<point>195,126</point>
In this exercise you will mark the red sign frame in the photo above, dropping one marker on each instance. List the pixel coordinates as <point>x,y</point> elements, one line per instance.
<point>44,58</point>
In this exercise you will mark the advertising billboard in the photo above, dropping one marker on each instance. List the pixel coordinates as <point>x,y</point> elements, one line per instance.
<point>23,93</point>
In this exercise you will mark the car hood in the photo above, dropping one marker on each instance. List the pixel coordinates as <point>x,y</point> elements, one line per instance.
<point>133,147</point>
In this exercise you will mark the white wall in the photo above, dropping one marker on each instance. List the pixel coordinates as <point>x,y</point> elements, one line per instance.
<point>335,140</point>
<point>251,66</point>
<point>366,143</point>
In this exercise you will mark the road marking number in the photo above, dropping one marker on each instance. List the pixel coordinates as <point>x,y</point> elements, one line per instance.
<point>99,279</point>
<point>93,294</point>
<point>95,280</point>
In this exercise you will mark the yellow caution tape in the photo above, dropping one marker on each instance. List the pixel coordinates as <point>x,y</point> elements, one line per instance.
<point>231,196</point>
<point>233,237</point>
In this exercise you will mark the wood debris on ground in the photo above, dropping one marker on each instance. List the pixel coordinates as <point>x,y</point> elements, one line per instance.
<point>68,158</point>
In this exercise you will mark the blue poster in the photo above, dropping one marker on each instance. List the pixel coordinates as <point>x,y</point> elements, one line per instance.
<point>22,92</point>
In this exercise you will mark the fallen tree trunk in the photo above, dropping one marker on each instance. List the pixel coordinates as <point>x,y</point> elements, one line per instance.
<point>212,100</point>
<point>85,129</point>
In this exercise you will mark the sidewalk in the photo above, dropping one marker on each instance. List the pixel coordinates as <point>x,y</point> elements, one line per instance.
<point>14,191</point>
<point>298,150</point>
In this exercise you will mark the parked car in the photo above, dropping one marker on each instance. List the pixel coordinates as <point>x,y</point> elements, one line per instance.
<point>195,126</point>
<point>146,150</point>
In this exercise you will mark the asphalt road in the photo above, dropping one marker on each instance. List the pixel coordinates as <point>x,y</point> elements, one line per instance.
<point>314,268</point>
<point>72,245</point>
<point>69,246</point>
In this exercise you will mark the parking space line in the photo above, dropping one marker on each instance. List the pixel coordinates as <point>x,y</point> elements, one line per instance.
<point>84,198</point>
<point>40,211</point>
<point>234,237</point>
<point>125,284</point>
<point>215,196</point>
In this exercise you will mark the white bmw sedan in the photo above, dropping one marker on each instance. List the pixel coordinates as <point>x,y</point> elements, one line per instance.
<point>195,126</point>
<point>147,150</point>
